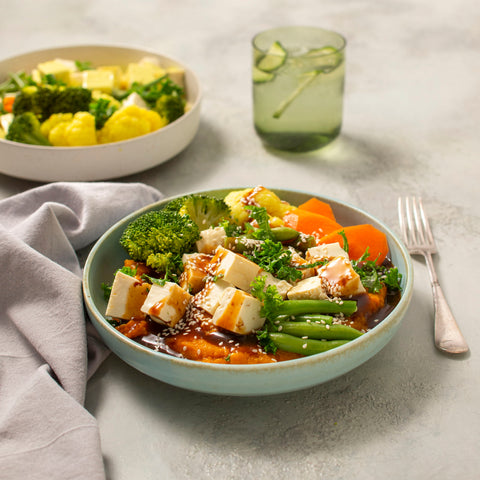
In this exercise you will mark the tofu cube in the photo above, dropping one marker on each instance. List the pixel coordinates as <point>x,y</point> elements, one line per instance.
<point>101,80</point>
<point>58,67</point>
<point>143,72</point>
<point>298,261</point>
<point>340,279</point>
<point>116,71</point>
<point>283,287</point>
<point>308,289</point>
<point>209,298</point>
<point>176,75</point>
<point>328,251</point>
<point>194,273</point>
<point>210,239</point>
<point>234,268</point>
<point>166,304</point>
<point>127,297</point>
<point>238,312</point>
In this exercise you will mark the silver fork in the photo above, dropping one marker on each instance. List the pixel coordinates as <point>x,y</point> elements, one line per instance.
<point>419,241</point>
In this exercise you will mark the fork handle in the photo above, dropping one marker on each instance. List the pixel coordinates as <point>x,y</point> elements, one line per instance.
<point>448,336</point>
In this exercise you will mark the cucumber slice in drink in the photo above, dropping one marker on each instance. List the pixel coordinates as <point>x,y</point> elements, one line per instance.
<point>273,59</point>
<point>325,58</point>
<point>259,76</point>
<point>307,79</point>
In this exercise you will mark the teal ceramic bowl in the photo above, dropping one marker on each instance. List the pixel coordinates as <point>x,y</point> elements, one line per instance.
<point>243,380</point>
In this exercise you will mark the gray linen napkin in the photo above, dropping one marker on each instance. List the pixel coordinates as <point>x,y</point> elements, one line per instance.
<point>47,348</point>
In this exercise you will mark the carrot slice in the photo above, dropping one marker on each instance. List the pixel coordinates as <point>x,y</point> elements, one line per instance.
<point>310,223</point>
<point>359,238</point>
<point>315,205</point>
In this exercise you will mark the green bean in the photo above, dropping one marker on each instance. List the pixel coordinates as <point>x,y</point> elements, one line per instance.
<point>319,331</point>
<point>289,343</point>
<point>308,317</point>
<point>284,234</point>
<point>299,307</point>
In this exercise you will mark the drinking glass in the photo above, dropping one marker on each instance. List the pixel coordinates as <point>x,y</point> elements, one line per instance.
<point>298,84</point>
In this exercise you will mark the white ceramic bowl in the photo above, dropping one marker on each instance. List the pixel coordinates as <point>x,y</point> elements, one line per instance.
<point>107,255</point>
<point>99,162</point>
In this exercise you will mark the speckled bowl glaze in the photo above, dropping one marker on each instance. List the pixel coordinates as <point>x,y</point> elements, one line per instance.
<point>99,162</point>
<point>107,255</point>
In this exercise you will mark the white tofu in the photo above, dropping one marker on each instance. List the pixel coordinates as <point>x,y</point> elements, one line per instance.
<point>195,272</point>
<point>210,239</point>
<point>238,312</point>
<point>340,279</point>
<point>327,251</point>
<point>282,285</point>
<point>298,261</point>
<point>134,99</point>
<point>310,288</point>
<point>166,304</point>
<point>234,268</point>
<point>127,297</point>
<point>209,298</point>
<point>176,74</point>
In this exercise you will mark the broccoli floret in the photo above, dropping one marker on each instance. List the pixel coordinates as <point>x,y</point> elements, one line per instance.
<point>47,100</point>
<point>72,100</point>
<point>25,128</point>
<point>204,210</point>
<point>170,106</point>
<point>158,237</point>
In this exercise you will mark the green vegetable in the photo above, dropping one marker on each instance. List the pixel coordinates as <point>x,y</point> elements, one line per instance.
<point>15,82</point>
<point>308,317</point>
<point>319,331</point>
<point>290,343</point>
<point>102,109</point>
<point>170,106</point>
<point>274,258</point>
<point>47,100</point>
<point>71,100</point>
<point>204,210</point>
<point>152,91</point>
<point>25,128</point>
<point>299,307</point>
<point>159,237</point>
<point>374,276</point>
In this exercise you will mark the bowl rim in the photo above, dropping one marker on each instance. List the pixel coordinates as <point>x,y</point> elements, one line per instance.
<point>194,106</point>
<point>393,318</point>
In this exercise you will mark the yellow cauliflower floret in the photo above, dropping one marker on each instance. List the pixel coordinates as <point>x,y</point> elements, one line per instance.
<point>261,197</point>
<point>130,122</point>
<point>51,122</point>
<point>78,132</point>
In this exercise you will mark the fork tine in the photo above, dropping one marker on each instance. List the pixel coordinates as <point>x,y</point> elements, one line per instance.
<point>401,219</point>
<point>419,218</point>
<point>426,224</point>
<point>410,216</point>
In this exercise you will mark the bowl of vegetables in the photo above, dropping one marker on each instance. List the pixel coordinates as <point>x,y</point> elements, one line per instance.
<point>92,112</point>
<point>250,291</point>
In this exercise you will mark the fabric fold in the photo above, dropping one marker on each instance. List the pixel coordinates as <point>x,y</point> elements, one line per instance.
<point>48,349</point>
